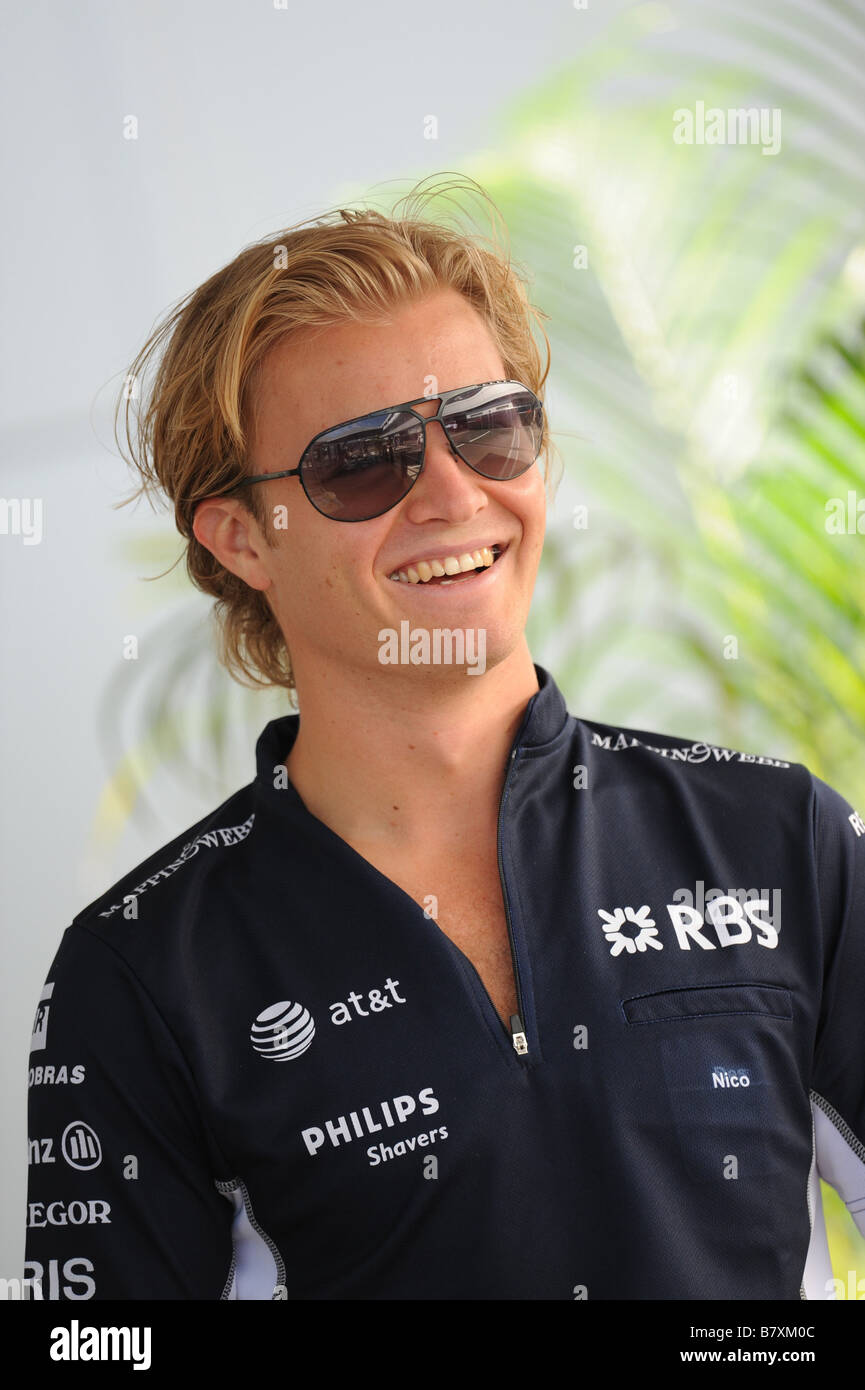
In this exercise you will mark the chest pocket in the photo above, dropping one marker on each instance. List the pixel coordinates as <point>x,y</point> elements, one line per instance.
<point>726,1062</point>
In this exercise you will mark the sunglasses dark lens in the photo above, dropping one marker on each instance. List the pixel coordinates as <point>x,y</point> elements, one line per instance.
<point>499,435</point>
<point>356,472</point>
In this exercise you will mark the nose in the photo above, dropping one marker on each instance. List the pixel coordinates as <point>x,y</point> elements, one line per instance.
<point>447,487</point>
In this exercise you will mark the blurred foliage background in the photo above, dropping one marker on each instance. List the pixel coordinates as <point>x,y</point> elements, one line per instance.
<point>707,395</point>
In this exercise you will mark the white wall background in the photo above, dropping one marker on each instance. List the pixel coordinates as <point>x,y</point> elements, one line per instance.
<point>250,118</point>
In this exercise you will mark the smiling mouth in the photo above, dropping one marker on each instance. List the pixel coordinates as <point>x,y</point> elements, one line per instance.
<point>449,569</point>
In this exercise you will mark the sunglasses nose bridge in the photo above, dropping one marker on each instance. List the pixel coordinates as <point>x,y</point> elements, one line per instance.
<point>436,420</point>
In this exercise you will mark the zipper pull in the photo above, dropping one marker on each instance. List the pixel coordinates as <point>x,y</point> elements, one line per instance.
<point>521,1047</point>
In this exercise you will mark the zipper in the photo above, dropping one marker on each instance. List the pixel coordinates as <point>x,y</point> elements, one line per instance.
<point>518,1036</point>
<point>517,1028</point>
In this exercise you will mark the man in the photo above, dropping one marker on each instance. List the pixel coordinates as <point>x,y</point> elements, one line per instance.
<point>463,997</point>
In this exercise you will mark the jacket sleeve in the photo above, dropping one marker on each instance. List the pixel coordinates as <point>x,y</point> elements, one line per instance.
<point>121,1199</point>
<point>838,1079</point>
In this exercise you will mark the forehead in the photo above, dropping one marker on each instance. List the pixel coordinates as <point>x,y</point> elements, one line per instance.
<point>319,377</point>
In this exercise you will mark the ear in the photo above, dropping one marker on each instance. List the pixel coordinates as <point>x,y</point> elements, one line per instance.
<point>230,532</point>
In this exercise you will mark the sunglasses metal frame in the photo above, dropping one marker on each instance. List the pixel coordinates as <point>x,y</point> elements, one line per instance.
<point>444,397</point>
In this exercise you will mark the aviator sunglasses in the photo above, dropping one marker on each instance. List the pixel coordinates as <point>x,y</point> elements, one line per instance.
<point>360,469</point>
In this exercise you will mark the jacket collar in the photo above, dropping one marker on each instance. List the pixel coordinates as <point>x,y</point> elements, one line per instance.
<point>544,720</point>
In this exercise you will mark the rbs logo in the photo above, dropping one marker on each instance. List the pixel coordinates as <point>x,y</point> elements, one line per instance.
<point>727,922</point>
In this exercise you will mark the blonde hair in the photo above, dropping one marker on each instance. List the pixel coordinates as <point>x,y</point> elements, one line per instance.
<point>189,434</point>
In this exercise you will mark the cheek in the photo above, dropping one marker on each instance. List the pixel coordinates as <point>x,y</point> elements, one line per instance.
<point>300,580</point>
<point>338,579</point>
<point>526,492</point>
<point>528,502</point>
<point>533,515</point>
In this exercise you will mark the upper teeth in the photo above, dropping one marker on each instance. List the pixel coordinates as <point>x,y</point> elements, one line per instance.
<point>425,570</point>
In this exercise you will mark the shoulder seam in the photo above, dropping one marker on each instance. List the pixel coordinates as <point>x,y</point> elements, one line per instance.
<point>193,845</point>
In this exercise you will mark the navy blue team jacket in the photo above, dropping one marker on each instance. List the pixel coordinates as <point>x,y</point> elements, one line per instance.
<point>261,1071</point>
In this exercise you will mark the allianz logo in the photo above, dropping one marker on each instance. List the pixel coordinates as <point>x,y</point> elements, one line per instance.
<point>709,920</point>
<point>79,1146</point>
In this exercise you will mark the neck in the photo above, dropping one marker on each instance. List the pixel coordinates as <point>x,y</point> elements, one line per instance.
<point>413,758</point>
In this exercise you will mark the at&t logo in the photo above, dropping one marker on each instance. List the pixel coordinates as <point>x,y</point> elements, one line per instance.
<point>282,1032</point>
